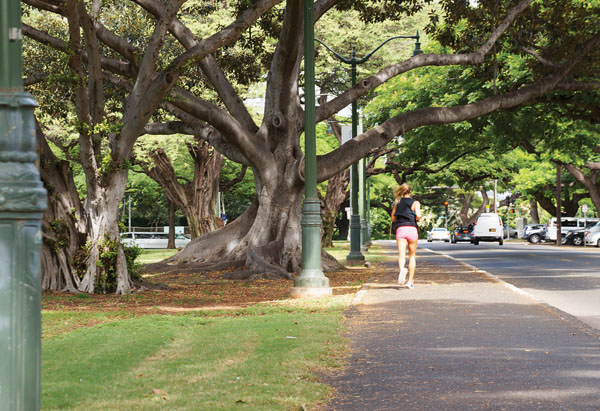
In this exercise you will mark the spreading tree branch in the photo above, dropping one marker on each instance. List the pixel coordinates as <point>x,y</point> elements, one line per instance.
<point>226,185</point>
<point>543,61</point>
<point>282,89</point>
<point>365,86</point>
<point>209,66</point>
<point>35,78</point>
<point>348,153</point>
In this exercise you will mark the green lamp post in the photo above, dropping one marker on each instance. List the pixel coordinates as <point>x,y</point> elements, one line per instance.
<point>368,209</point>
<point>362,179</point>
<point>311,282</point>
<point>22,202</point>
<point>355,256</point>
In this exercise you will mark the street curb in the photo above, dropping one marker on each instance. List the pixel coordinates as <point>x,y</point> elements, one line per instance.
<point>574,321</point>
<point>359,296</point>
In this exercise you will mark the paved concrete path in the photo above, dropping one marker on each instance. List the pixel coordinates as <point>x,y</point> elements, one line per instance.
<point>461,341</point>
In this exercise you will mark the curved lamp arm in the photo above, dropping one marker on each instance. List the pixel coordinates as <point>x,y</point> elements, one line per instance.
<point>343,59</point>
<point>368,56</point>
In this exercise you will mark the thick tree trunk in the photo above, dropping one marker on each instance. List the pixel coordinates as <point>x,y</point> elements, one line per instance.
<point>265,242</point>
<point>486,201</point>
<point>465,208</point>
<point>171,243</point>
<point>545,202</point>
<point>197,199</point>
<point>589,181</point>
<point>570,203</point>
<point>535,216</point>
<point>64,230</point>
<point>102,205</point>
<point>329,217</point>
<point>205,187</point>
<point>337,193</point>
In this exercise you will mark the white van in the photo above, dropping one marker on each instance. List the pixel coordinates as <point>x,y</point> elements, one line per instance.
<point>568,224</point>
<point>488,227</point>
<point>152,240</point>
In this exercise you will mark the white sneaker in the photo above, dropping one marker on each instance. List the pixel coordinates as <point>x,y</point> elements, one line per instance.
<point>402,275</point>
<point>410,285</point>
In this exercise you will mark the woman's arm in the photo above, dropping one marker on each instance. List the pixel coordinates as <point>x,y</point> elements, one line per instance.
<point>394,213</point>
<point>416,207</point>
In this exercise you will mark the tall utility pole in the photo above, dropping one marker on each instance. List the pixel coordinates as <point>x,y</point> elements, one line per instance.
<point>311,282</point>
<point>446,216</point>
<point>495,193</point>
<point>362,206</point>
<point>363,199</point>
<point>368,210</point>
<point>355,256</point>
<point>558,206</point>
<point>22,203</point>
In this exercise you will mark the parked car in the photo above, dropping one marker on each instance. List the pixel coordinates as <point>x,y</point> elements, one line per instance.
<point>488,227</point>
<point>575,237</point>
<point>439,234</point>
<point>462,233</point>
<point>568,224</point>
<point>153,240</point>
<point>534,233</point>
<point>510,232</point>
<point>592,235</point>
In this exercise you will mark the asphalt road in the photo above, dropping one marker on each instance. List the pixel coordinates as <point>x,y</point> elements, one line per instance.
<point>567,278</point>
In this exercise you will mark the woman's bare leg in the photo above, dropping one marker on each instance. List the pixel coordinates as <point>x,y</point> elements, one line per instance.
<point>401,253</point>
<point>412,259</point>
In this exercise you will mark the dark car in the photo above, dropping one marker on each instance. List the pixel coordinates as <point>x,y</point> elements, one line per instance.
<point>462,234</point>
<point>534,233</point>
<point>574,237</point>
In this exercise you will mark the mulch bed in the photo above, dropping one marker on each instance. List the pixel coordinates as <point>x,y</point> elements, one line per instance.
<point>200,291</point>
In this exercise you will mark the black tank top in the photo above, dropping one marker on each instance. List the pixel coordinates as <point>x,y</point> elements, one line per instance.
<point>404,215</point>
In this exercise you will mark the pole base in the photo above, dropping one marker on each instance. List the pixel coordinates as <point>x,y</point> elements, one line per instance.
<point>355,258</point>
<point>310,292</point>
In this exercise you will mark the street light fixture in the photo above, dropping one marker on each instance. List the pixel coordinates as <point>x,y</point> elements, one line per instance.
<point>311,282</point>
<point>22,202</point>
<point>355,255</point>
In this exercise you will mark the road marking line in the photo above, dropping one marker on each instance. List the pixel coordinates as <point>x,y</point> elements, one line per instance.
<point>544,276</point>
<point>491,276</point>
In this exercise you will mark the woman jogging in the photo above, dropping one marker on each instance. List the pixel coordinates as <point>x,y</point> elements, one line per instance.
<point>405,215</point>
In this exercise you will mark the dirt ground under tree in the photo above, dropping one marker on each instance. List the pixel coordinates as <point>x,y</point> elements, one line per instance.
<point>175,293</point>
<point>188,291</point>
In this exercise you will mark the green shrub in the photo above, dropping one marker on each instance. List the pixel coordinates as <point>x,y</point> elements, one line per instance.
<point>106,281</point>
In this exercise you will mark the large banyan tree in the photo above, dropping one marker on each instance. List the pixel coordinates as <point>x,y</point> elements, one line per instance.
<point>174,73</point>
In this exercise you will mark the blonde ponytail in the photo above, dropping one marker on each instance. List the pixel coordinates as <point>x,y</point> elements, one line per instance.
<point>402,190</point>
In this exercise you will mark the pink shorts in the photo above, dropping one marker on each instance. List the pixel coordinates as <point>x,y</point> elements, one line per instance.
<point>409,233</point>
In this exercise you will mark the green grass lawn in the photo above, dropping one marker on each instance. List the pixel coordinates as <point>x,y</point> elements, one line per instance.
<point>341,249</point>
<point>262,357</point>
<point>149,256</point>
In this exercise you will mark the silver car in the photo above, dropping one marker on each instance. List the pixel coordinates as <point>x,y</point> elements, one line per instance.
<point>592,235</point>
<point>439,234</point>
